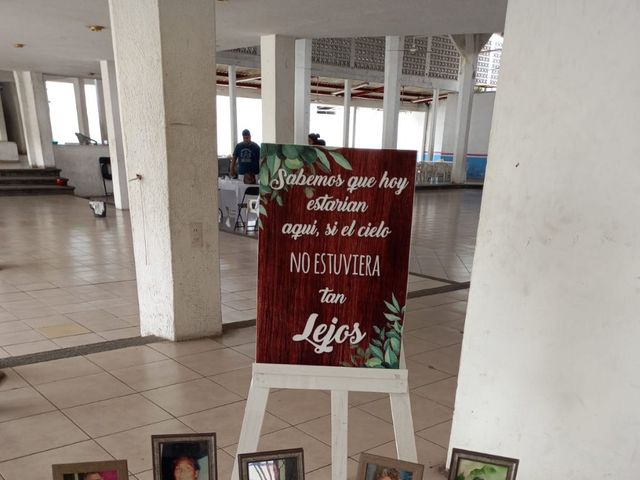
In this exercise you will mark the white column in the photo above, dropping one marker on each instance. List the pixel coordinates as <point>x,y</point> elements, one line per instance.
<point>114,134</point>
<point>468,46</point>
<point>355,118</point>
<point>424,133</point>
<point>277,59</point>
<point>348,83</point>
<point>34,112</point>
<point>167,107</point>
<point>393,58</point>
<point>104,135</point>
<point>302,90</point>
<point>433,122</point>
<point>550,357</point>
<point>81,106</point>
<point>3,124</point>
<point>233,106</point>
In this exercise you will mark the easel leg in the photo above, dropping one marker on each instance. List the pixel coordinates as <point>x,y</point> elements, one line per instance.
<point>339,429</point>
<point>252,423</point>
<point>403,426</point>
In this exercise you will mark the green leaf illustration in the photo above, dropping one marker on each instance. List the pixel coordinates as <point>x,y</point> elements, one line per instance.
<point>324,162</point>
<point>395,345</point>
<point>309,155</point>
<point>291,151</point>
<point>391,307</point>
<point>390,357</point>
<point>263,211</point>
<point>374,362</point>
<point>376,351</point>
<point>340,160</point>
<point>264,177</point>
<point>392,317</point>
<point>308,192</point>
<point>395,302</point>
<point>293,163</point>
<point>279,200</point>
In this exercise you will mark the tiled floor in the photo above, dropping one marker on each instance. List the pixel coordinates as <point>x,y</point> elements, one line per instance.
<point>68,278</point>
<point>107,405</point>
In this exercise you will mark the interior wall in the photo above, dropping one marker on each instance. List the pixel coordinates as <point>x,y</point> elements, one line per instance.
<point>479,129</point>
<point>79,163</point>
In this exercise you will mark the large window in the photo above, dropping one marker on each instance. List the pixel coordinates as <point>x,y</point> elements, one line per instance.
<point>93,113</point>
<point>62,111</point>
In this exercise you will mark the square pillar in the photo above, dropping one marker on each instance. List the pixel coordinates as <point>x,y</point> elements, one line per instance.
<point>302,90</point>
<point>277,58</point>
<point>393,58</point>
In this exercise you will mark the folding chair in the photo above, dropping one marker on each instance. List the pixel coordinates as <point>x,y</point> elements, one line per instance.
<point>250,194</point>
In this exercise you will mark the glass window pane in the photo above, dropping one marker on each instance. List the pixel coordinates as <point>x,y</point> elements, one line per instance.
<point>93,113</point>
<point>62,111</point>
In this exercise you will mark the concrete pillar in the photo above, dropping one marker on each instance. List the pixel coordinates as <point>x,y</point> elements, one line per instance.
<point>34,112</point>
<point>233,107</point>
<point>433,122</point>
<point>393,57</point>
<point>104,135</point>
<point>167,107</point>
<point>424,133</point>
<point>277,60</point>
<point>550,357</point>
<point>348,84</point>
<point>114,134</point>
<point>3,123</point>
<point>81,106</point>
<point>468,46</point>
<point>302,90</point>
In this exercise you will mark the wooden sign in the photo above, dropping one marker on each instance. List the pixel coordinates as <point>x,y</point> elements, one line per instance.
<point>335,228</point>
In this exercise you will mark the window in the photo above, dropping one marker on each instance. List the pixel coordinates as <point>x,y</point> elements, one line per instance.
<point>93,113</point>
<point>62,111</point>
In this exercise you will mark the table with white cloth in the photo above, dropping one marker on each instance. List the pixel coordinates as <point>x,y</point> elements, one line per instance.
<point>230,194</point>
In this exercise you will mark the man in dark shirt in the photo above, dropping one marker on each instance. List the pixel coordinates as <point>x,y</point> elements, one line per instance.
<point>246,158</point>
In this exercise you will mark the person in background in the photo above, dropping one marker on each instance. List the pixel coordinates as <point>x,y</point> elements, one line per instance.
<point>246,158</point>
<point>185,468</point>
<point>313,138</point>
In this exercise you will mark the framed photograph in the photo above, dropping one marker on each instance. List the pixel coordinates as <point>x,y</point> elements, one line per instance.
<point>275,465</point>
<point>467,465</point>
<point>374,467</point>
<point>107,470</point>
<point>184,457</point>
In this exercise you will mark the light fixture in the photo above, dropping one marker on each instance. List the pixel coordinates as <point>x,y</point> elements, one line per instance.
<point>96,28</point>
<point>18,45</point>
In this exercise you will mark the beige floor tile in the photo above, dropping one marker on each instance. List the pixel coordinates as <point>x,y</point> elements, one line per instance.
<point>425,412</point>
<point>442,392</point>
<point>324,473</point>
<point>129,332</point>
<point>82,390</point>
<point>316,453</point>
<point>37,433</point>
<point>54,370</point>
<point>298,406</point>
<point>365,431</point>
<point>31,347</point>
<point>125,357</point>
<point>225,464</point>
<point>63,330</point>
<point>237,381</point>
<point>116,415</point>
<point>48,320</point>
<point>25,336</point>
<point>429,454</point>
<point>123,310</point>
<point>238,336</point>
<point>4,353</point>
<point>215,361</point>
<point>22,402</point>
<point>421,374</point>
<point>6,316</point>
<point>178,349</point>
<point>445,359</point>
<point>32,287</point>
<point>13,327</point>
<point>146,475</point>
<point>191,397</point>
<point>12,380</point>
<point>154,375</point>
<point>38,466</point>
<point>76,340</point>
<point>414,345</point>
<point>438,434</point>
<point>226,421</point>
<point>359,398</point>
<point>135,444</point>
<point>248,349</point>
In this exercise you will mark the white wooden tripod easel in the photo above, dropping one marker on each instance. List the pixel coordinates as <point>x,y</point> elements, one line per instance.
<point>340,380</point>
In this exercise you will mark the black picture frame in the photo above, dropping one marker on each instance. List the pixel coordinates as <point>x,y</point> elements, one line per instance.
<point>196,450</point>
<point>292,458</point>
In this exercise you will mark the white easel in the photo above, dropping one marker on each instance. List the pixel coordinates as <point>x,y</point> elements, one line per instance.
<point>340,380</point>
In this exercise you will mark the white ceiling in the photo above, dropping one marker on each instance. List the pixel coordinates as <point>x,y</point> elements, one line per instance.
<point>58,42</point>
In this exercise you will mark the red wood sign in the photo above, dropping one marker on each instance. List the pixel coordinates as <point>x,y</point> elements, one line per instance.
<point>333,255</point>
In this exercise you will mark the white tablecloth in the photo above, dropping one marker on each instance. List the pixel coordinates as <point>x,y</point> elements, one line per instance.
<point>230,193</point>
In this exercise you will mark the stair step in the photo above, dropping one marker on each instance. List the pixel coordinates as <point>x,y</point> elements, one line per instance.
<point>48,180</point>
<point>10,190</point>
<point>29,172</point>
